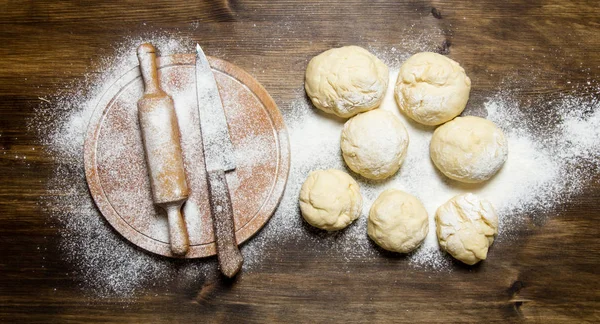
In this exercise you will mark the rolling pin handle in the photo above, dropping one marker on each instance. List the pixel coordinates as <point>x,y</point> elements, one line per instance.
<point>147,57</point>
<point>178,235</point>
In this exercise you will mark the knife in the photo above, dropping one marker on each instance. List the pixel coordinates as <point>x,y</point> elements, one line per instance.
<point>219,158</point>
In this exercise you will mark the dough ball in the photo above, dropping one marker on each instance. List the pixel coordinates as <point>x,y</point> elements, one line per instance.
<point>466,227</point>
<point>346,81</point>
<point>398,221</point>
<point>374,144</point>
<point>431,88</point>
<point>330,199</point>
<point>468,149</point>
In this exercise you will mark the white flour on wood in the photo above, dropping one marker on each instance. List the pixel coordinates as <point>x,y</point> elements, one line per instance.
<point>549,162</point>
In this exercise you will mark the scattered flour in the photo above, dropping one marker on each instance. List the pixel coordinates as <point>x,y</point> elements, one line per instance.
<point>542,171</point>
<point>104,263</point>
<point>549,162</point>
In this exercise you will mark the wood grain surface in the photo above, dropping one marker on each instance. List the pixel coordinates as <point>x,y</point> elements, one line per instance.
<point>549,274</point>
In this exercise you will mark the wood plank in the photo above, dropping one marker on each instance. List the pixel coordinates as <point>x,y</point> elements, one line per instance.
<point>548,273</point>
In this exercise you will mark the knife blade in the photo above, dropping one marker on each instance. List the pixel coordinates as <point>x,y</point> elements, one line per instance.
<point>218,149</point>
<point>219,157</point>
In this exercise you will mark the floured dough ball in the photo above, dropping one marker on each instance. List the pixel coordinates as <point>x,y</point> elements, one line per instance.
<point>466,227</point>
<point>346,81</point>
<point>374,144</point>
<point>431,88</point>
<point>468,149</point>
<point>330,199</point>
<point>397,221</point>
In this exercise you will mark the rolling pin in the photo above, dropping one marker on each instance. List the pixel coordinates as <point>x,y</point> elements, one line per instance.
<point>160,134</point>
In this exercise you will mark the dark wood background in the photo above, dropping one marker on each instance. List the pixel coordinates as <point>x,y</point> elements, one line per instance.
<point>550,274</point>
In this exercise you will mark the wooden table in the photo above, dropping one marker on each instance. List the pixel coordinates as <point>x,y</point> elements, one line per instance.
<point>549,274</point>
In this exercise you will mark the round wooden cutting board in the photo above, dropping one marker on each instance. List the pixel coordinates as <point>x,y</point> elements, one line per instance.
<point>116,169</point>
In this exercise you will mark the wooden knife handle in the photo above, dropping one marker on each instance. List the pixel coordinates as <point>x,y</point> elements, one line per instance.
<point>230,257</point>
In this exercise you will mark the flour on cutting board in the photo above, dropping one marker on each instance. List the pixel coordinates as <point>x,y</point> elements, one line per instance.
<point>549,162</point>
